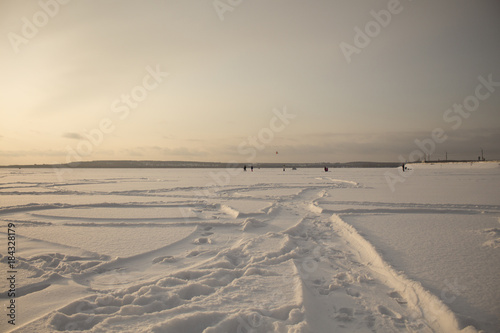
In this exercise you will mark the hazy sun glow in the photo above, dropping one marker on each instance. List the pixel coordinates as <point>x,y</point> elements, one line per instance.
<point>187,80</point>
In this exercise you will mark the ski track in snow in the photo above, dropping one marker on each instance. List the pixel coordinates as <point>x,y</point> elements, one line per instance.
<point>259,257</point>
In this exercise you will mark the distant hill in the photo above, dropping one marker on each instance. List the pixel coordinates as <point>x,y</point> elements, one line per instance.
<point>185,164</point>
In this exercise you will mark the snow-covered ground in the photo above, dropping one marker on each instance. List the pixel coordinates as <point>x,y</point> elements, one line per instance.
<point>201,250</point>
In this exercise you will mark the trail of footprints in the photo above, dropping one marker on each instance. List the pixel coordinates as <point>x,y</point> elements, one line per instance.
<point>180,293</point>
<point>333,274</point>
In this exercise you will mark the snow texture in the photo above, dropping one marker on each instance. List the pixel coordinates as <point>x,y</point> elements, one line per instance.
<point>166,250</point>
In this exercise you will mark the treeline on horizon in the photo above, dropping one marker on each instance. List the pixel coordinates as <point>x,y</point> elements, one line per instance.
<point>185,164</point>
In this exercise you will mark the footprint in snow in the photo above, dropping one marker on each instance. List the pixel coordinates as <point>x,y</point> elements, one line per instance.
<point>398,298</point>
<point>203,240</point>
<point>396,317</point>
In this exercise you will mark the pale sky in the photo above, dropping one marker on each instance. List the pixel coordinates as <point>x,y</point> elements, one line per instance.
<point>222,70</point>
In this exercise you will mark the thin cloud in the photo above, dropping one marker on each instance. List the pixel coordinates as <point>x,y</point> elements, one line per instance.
<point>157,152</point>
<point>23,153</point>
<point>74,136</point>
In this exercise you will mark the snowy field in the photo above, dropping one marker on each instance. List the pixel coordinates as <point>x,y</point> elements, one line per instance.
<point>205,250</point>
